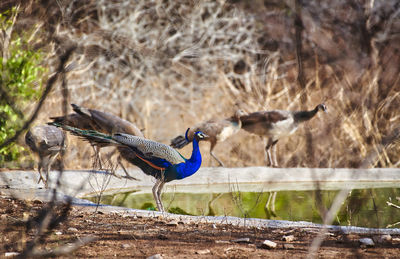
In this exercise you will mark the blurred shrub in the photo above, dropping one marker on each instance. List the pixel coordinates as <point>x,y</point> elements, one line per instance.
<point>20,83</point>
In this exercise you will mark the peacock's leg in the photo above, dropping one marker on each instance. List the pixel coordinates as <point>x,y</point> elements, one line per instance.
<point>155,194</point>
<point>159,194</point>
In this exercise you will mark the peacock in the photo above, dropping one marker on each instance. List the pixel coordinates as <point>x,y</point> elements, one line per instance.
<point>91,119</point>
<point>216,130</point>
<point>47,142</point>
<point>156,159</point>
<point>276,124</point>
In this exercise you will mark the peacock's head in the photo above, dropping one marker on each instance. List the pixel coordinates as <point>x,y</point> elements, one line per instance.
<point>200,136</point>
<point>322,107</point>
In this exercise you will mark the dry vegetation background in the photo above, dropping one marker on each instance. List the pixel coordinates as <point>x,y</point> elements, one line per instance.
<point>166,65</point>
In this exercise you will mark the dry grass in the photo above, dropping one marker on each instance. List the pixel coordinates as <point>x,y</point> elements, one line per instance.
<point>166,66</point>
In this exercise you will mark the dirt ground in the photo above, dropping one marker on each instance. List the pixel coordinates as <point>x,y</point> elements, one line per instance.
<point>123,235</point>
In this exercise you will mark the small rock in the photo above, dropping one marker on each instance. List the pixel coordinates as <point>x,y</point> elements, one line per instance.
<point>366,241</point>
<point>72,229</point>
<point>156,256</point>
<point>242,240</point>
<point>58,233</point>
<point>222,242</point>
<point>396,239</point>
<point>3,217</point>
<point>288,238</point>
<point>268,244</point>
<point>382,239</point>
<point>288,246</point>
<point>203,252</point>
<point>214,226</point>
<point>125,246</point>
<point>9,254</point>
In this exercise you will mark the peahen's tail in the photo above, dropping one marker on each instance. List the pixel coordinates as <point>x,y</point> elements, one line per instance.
<point>179,142</point>
<point>89,135</point>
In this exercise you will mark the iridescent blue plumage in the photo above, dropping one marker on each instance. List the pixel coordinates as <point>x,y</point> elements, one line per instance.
<point>153,158</point>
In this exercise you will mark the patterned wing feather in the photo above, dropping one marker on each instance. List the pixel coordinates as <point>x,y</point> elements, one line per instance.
<point>151,150</point>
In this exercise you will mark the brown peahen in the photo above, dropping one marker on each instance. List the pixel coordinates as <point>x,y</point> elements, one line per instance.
<point>216,130</point>
<point>46,141</point>
<point>91,119</point>
<point>276,124</point>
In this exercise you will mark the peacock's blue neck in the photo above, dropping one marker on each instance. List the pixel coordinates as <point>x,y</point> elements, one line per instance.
<point>192,164</point>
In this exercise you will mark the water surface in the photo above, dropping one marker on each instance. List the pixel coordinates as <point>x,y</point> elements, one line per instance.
<point>363,207</point>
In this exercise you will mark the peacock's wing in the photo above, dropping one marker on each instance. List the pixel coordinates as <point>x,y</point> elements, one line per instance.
<point>149,168</point>
<point>156,153</point>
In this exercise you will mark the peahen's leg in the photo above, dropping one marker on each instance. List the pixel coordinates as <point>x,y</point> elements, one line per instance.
<point>270,145</point>
<point>214,156</point>
<point>274,159</point>
<point>48,162</point>
<point>40,171</point>
<point>119,160</point>
<point>97,158</point>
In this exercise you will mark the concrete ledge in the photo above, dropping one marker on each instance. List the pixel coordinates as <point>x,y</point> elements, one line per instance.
<point>213,180</point>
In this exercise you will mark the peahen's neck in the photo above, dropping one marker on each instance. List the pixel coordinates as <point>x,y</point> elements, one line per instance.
<point>192,164</point>
<point>302,116</point>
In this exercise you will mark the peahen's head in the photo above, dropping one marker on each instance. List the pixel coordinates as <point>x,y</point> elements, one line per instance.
<point>198,135</point>
<point>321,107</point>
<point>186,135</point>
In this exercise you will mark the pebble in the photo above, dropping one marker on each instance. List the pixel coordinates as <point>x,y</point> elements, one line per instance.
<point>288,246</point>
<point>72,229</point>
<point>203,252</point>
<point>222,242</point>
<point>382,239</point>
<point>366,241</point>
<point>242,240</point>
<point>125,246</point>
<point>9,254</point>
<point>58,233</point>
<point>396,239</point>
<point>156,256</point>
<point>288,238</point>
<point>268,244</point>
